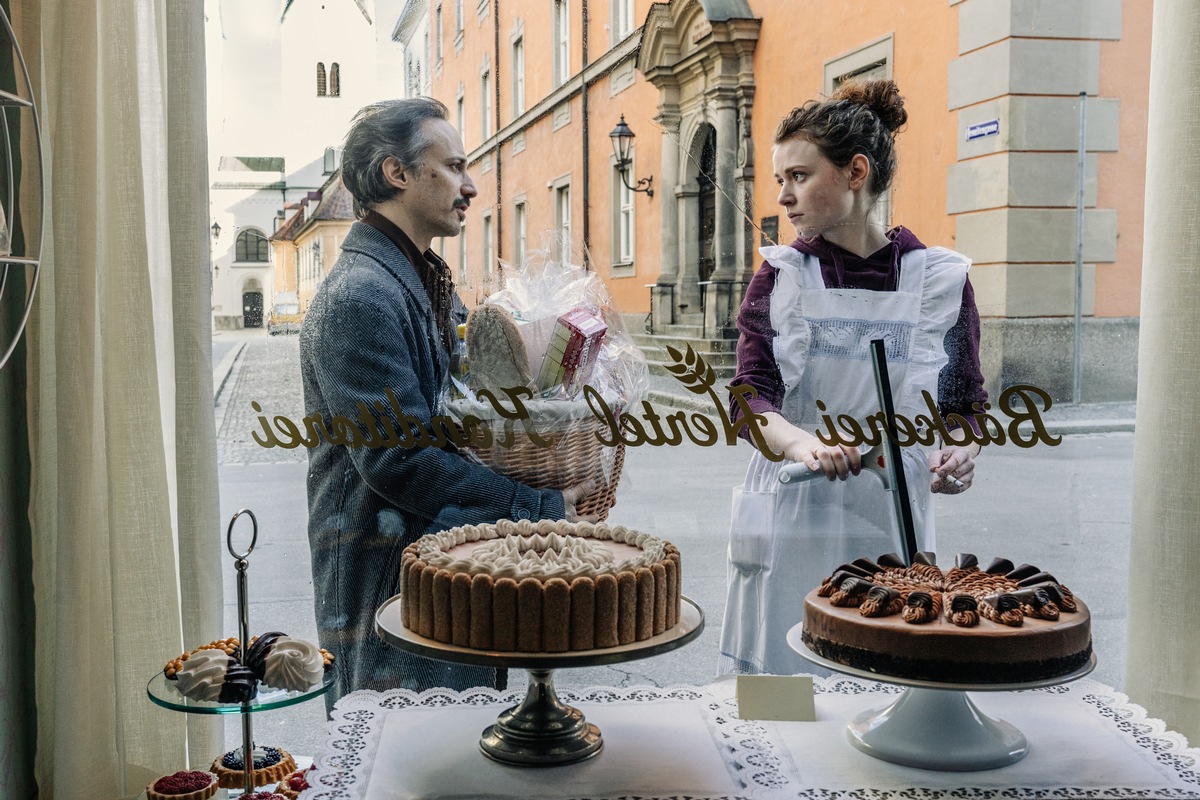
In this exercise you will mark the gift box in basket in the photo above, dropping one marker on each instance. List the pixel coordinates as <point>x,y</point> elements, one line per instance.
<point>547,342</point>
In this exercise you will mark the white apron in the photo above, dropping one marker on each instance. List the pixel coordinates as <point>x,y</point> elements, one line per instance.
<point>785,538</point>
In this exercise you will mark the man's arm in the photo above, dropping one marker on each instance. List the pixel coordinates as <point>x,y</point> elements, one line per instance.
<point>366,348</point>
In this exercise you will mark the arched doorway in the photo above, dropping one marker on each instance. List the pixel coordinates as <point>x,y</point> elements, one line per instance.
<point>707,199</point>
<point>252,304</point>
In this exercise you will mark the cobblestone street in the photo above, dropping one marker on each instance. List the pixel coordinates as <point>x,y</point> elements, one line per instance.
<point>267,372</point>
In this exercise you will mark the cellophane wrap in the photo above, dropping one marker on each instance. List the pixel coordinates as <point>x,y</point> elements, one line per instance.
<point>559,444</point>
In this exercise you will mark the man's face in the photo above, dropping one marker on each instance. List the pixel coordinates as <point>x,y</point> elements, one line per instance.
<point>441,190</point>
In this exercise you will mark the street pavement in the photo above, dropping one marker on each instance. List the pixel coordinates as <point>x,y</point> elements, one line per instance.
<point>1065,508</point>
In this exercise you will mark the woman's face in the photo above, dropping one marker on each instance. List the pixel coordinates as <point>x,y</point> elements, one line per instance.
<point>815,194</point>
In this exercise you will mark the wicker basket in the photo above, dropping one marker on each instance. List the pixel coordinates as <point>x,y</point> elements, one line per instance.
<point>573,455</point>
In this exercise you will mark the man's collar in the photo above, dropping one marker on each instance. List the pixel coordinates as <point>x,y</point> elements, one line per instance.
<point>401,239</point>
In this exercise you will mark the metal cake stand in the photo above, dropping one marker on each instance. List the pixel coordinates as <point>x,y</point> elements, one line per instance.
<point>934,725</point>
<point>540,731</point>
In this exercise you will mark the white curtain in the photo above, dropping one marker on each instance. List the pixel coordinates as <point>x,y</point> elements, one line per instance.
<point>1163,662</point>
<point>126,540</point>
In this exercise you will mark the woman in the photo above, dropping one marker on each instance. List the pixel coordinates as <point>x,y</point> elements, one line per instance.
<point>806,323</point>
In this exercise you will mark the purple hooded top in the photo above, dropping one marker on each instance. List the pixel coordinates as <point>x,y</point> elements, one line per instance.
<point>960,383</point>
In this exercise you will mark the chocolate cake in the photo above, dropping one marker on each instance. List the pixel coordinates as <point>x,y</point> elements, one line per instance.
<point>1002,624</point>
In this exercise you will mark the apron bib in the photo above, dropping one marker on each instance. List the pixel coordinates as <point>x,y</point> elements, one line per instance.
<point>785,538</point>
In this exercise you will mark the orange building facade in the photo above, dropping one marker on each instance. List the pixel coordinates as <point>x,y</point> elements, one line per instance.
<point>988,160</point>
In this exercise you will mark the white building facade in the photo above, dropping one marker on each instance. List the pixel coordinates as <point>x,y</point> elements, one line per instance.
<point>285,79</point>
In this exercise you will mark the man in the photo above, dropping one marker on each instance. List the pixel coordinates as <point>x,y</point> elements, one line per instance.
<point>383,319</point>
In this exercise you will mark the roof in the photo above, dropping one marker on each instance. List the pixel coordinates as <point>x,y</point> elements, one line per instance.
<point>333,202</point>
<point>362,6</point>
<point>410,16</point>
<point>721,10</point>
<point>250,164</point>
<point>289,229</point>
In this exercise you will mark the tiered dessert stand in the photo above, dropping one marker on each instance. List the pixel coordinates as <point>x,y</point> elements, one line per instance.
<point>164,692</point>
<point>934,725</point>
<point>540,731</point>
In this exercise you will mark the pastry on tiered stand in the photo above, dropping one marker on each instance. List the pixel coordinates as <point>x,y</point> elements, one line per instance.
<point>292,786</point>
<point>193,785</point>
<point>271,765</point>
<point>1002,624</point>
<point>285,662</point>
<point>215,676</point>
<point>548,586</point>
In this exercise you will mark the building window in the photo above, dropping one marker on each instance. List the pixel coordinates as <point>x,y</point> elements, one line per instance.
<point>485,104</point>
<point>519,234</point>
<point>487,249</point>
<point>462,255</point>
<point>320,79</point>
<point>251,246</point>
<point>333,159</point>
<point>518,71</point>
<point>622,19</point>
<point>335,80</point>
<point>562,221</point>
<point>458,17</point>
<point>460,111</point>
<point>622,219</point>
<point>437,30</point>
<point>561,23</point>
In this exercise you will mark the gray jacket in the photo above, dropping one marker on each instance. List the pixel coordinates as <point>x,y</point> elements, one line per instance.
<point>370,329</point>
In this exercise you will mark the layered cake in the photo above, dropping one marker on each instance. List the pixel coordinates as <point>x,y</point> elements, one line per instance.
<point>1002,624</point>
<point>548,586</point>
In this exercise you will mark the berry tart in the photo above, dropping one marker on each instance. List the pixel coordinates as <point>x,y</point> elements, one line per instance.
<point>271,765</point>
<point>294,785</point>
<point>193,785</point>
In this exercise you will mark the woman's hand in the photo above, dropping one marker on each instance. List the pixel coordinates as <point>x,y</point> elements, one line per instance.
<point>838,463</point>
<point>953,468</point>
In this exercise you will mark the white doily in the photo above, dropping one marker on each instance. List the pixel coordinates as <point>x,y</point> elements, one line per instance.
<point>769,760</point>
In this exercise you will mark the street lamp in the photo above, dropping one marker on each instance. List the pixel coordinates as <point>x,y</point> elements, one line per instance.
<point>622,138</point>
<point>216,229</point>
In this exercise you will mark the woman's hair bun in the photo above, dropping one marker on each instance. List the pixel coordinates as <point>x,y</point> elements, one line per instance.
<point>881,96</point>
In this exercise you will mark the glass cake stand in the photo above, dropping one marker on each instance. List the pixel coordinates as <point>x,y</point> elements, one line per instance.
<point>934,725</point>
<point>540,731</point>
<point>165,693</point>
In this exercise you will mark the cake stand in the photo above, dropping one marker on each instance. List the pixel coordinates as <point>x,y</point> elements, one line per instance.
<point>165,693</point>
<point>934,725</point>
<point>540,731</point>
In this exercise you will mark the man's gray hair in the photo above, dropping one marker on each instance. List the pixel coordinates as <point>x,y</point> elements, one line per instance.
<point>379,131</point>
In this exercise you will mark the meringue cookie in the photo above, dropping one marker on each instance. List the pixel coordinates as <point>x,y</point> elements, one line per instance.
<point>293,664</point>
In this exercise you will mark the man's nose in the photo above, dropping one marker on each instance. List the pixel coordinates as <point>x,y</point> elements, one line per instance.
<point>468,188</point>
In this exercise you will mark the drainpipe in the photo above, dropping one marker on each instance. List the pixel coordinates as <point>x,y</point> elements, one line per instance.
<point>499,215</point>
<point>587,217</point>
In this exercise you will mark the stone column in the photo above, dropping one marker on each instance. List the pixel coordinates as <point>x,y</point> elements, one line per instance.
<point>662,303</point>
<point>687,288</point>
<point>1163,641</point>
<point>719,295</point>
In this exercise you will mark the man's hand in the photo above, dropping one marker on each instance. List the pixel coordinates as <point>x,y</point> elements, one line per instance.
<point>573,495</point>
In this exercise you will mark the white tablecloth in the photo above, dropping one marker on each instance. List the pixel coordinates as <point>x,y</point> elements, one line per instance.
<point>1085,740</point>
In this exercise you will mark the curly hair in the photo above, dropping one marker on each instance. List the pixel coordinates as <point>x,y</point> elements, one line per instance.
<point>860,117</point>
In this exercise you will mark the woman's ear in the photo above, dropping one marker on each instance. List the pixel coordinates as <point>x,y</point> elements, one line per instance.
<point>859,171</point>
<point>395,173</point>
